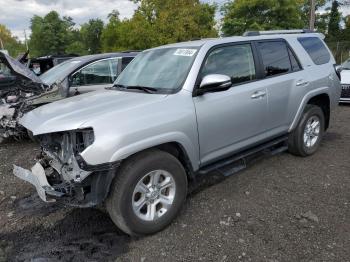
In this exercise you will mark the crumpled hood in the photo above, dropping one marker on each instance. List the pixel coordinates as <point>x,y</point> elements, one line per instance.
<point>345,77</point>
<point>19,69</point>
<point>72,113</point>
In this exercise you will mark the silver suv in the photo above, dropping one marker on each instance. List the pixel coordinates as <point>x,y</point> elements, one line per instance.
<point>178,111</point>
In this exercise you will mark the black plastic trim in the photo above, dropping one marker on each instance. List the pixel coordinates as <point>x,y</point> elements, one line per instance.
<point>241,155</point>
<point>94,168</point>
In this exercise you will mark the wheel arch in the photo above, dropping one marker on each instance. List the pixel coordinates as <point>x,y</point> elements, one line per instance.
<point>319,97</point>
<point>182,149</point>
<point>323,101</point>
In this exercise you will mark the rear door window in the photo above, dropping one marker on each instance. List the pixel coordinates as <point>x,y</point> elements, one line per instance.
<point>316,49</point>
<point>295,64</point>
<point>275,57</point>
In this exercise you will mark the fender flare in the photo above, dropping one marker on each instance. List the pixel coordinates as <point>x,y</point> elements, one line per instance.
<point>154,141</point>
<point>304,101</point>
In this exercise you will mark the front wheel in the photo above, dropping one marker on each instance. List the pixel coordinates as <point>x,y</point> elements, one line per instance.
<point>147,193</point>
<point>307,136</point>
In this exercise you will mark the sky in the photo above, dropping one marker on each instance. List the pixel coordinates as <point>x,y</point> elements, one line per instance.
<point>16,14</point>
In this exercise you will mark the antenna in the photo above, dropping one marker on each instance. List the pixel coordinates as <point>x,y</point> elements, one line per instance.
<point>25,39</point>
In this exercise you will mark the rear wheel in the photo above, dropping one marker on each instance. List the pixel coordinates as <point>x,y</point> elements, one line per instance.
<point>307,136</point>
<point>147,193</point>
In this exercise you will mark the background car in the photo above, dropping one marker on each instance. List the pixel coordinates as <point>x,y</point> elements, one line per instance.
<point>6,78</point>
<point>88,73</point>
<point>345,82</point>
<point>72,77</point>
<point>42,64</point>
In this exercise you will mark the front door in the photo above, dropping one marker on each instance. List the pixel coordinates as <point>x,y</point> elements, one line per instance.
<point>231,119</point>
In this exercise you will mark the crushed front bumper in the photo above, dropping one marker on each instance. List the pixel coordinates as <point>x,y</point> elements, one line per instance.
<point>38,179</point>
<point>89,192</point>
<point>61,174</point>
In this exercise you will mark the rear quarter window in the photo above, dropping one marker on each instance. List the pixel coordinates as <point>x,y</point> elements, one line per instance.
<point>316,49</point>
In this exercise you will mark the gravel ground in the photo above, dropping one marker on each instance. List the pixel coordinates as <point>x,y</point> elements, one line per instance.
<point>282,208</point>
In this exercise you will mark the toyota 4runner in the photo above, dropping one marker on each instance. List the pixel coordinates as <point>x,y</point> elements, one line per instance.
<point>181,110</point>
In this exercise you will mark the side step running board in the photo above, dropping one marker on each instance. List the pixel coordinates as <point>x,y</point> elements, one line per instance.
<point>238,162</point>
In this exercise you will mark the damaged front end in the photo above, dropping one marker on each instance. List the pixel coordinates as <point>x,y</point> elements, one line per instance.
<point>61,172</point>
<point>12,108</point>
<point>16,103</point>
<point>20,96</point>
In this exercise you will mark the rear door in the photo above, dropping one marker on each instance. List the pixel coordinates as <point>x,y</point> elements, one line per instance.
<point>282,74</point>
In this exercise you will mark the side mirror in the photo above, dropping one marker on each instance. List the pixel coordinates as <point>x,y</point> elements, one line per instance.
<point>214,83</point>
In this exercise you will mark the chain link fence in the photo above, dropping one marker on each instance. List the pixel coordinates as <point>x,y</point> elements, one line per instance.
<point>341,50</point>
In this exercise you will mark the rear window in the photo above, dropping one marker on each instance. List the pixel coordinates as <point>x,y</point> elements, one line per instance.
<point>316,49</point>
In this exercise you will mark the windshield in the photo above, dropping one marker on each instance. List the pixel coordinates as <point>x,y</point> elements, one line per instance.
<point>59,72</point>
<point>346,64</point>
<point>163,69</point>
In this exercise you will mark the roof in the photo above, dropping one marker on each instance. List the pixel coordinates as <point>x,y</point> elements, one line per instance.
<point>88,58</point>
<point>223,40</point>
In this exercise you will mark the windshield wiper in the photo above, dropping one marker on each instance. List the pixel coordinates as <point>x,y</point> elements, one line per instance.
<point>118,86</point>
<point>146,89</point>
<point>143,88</point>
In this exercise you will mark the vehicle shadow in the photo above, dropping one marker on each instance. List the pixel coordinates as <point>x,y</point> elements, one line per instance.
<point>83,234</point>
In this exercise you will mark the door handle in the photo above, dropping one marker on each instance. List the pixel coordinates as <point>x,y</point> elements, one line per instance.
<point>258,94</point>
<point>302,83</point>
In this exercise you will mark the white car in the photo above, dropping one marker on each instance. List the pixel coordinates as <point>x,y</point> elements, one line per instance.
<point>345,82</point>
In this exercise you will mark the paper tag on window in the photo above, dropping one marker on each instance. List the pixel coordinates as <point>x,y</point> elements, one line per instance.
<point>185,52</point>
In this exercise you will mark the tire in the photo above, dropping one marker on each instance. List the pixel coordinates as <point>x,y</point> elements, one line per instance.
<point>296,142</point>
<point>133,175</point>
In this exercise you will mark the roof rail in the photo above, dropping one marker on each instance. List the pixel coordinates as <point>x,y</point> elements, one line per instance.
<point>278,32</point>
<point>131,51</point>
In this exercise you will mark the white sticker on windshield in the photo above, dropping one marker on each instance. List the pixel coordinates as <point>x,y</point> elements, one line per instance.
<point>185,52</point>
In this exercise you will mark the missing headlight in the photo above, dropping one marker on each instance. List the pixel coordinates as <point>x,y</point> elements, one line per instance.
<point>65,144</point>
<point>83,139</point>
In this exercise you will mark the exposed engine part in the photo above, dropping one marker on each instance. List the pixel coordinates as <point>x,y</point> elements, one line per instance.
<point>58,174</point>
<point>62,150</point>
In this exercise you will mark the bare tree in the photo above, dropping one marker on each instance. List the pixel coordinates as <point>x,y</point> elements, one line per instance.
<point>312,14</point>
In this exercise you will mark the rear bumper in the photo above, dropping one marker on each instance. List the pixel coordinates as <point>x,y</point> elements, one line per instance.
<point>344,100</point>
<point>345,94</point>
